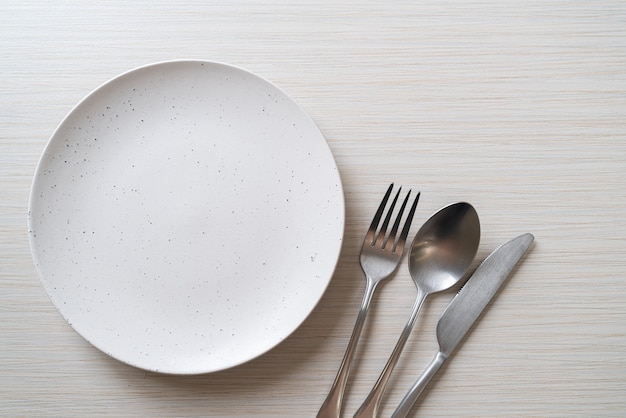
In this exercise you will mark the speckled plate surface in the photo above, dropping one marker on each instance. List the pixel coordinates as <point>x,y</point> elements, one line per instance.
<point>186,217</point>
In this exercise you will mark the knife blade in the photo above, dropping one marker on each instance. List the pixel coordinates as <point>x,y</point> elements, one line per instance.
<point>465,308</point>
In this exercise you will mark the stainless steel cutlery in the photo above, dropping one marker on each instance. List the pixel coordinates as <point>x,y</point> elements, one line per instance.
<point>441,254</point>
<point>380,256</point>
<point>466,308</point>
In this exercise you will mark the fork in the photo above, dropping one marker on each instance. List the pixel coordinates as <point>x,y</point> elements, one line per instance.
<point>380,257</point>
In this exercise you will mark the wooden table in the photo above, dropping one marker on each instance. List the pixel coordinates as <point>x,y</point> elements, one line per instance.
<point>518,107</point>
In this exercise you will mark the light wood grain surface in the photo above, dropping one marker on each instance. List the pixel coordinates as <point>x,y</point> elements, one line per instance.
<point>518,107</point>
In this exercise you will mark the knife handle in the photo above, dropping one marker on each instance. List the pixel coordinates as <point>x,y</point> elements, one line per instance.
<point>418,387</point>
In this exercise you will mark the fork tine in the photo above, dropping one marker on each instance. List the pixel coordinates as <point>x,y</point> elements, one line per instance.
<point>383,229</point>
<point>399,246</point>
<point>396,224</point>
<point>371,232</point>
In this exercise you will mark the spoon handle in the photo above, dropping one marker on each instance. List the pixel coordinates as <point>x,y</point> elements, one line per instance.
<point>369,408</point>
<point>331,408</point>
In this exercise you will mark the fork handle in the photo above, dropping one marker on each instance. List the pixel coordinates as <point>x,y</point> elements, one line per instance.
<point>331,408</point>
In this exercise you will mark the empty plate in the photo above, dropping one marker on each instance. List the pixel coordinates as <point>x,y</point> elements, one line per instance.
<point>186,217</point>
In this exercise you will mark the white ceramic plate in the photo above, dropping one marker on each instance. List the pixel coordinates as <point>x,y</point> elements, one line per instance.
<point>186,217</point>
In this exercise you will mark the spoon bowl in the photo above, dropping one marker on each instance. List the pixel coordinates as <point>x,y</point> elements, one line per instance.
<point>444,248</point>
<point>441,254</point>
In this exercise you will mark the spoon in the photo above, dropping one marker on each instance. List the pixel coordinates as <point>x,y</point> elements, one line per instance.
<point>441,254</point>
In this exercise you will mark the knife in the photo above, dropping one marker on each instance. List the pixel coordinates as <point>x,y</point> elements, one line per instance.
<point>465,309</point>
